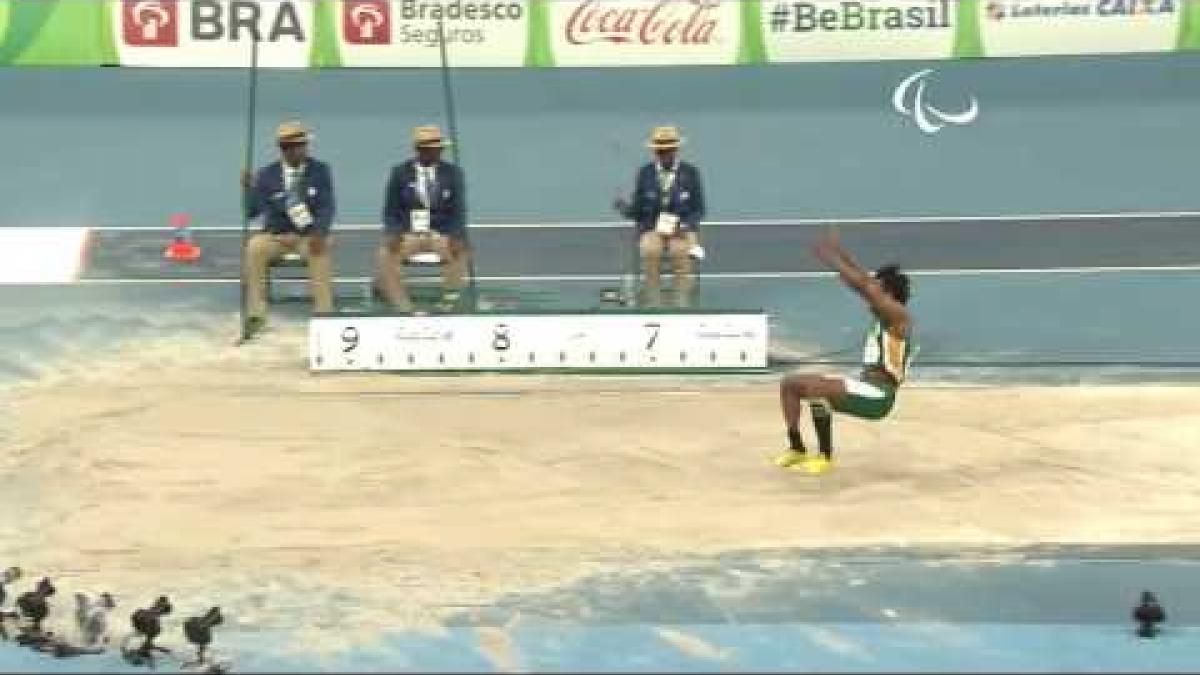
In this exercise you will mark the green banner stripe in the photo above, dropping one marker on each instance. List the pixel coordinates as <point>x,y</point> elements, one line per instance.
<point>3,25</point>
<point>752,49</point>
<point>539,50</point>
<point>25,21</point>
<point>110,56</point>
<point>1189,26</point>
<point>968,39</point>
<point>326,44</point>
<point>72,33</point>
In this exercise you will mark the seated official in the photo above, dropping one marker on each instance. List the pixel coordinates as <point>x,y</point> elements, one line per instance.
<point>668,205</point>
<point>424,212</point>
<point>295,198</point>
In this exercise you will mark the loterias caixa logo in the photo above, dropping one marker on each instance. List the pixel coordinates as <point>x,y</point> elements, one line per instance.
<point>1040,11</point>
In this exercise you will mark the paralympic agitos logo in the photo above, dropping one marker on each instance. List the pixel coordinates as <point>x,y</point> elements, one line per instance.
<point>909,100</point>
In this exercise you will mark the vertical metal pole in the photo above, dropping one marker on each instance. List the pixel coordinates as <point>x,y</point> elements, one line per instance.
<point>248,165</point>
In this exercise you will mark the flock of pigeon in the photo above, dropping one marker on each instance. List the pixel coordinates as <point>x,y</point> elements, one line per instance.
<point>91,618</point>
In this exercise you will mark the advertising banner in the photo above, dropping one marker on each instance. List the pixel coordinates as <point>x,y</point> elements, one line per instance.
<point>836,30</point>
<point>644,32</point>
<point>213,33</point>
<point>479,33</point>
<point>1037,27</point>
<point>577,33</point>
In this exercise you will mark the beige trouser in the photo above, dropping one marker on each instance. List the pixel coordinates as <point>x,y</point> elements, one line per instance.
<point>398,248</point>
<point>263,248</point>
<point>678,247</point>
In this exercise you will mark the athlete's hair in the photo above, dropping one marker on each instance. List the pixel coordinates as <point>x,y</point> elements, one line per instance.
<point>895,282</point>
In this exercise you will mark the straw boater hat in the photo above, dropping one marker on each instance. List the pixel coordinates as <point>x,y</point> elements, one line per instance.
<point>665,138</point>
<point>429,137</point>
<point>292,132</point>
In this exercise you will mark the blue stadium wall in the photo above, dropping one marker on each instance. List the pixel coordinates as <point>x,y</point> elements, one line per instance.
<point>119,146</point>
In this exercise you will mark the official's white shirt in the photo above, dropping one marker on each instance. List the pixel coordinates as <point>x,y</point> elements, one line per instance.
<point>291,174</point>
<point>666,179</point>
<point>426,177</point>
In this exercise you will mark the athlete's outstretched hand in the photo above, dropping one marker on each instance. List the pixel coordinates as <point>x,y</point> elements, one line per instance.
<point>828,249</point>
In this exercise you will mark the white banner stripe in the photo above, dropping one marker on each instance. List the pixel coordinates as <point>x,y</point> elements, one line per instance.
<point>41,255</point>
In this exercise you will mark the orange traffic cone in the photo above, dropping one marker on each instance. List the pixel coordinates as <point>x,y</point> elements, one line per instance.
<point>182,248</point>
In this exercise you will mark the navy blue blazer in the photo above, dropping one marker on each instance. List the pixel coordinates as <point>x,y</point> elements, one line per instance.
<point>267,198</point>
<point>686,198</point>
<point>448,212</point>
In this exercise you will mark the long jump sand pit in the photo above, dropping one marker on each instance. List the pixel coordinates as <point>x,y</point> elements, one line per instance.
<point>234,476</point>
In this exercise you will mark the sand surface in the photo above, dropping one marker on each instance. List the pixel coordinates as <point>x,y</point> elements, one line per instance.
<point>233,476</point>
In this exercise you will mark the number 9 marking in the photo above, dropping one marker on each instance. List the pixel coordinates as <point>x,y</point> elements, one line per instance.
<point>350,339</point>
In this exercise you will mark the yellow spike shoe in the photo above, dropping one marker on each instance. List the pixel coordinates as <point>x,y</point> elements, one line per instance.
<point>790,459</point>
<point>817,465</point>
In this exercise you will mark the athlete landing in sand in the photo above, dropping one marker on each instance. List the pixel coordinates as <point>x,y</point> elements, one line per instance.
<point>886,356</point>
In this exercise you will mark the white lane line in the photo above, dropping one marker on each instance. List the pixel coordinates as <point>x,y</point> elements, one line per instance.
<point>867,220</point>
<point>718,275</point>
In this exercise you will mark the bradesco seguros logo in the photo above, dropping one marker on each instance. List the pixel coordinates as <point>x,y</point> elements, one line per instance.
<point>644,32</point>
<point>214,33</point>
<point>404,33</point>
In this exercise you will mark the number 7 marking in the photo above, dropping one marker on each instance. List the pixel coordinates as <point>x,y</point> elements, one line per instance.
<point>655,329</point>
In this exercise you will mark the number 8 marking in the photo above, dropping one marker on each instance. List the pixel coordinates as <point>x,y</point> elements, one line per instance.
<point>500,339</point>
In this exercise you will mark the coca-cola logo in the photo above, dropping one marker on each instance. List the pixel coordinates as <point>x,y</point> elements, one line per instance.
<point>150,23</point>
<point>660,22</point>
<point>367,22</point>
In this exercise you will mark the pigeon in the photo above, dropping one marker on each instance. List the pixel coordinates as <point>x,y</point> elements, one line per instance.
<point>1148,614</point>
<point>198,630</point>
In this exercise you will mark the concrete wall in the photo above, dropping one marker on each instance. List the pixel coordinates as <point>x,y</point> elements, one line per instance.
<point>1079,134</point>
